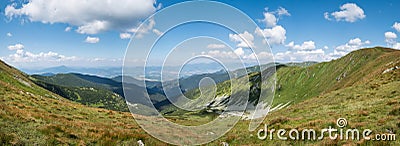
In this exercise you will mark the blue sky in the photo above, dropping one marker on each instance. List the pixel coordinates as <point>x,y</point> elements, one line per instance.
<point>40,34</point>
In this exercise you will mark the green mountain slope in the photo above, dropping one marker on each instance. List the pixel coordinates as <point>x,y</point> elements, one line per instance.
<point>88,90</point>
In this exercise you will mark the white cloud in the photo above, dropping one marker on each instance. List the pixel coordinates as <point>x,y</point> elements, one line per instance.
<point>349,12</point>
<point>9,34</point>
<point>357,42</point>
<point>220,54</point>
<point>21,56</point>
<point>68,29</point>
<point>157,32</point>
<point>307,51</point>
<point>144,29</point>
<point>308,45</point>
<point>90,16</point>
<point>302,55</point>
<point>337,54</point>
<point>275,35</point>
<point>353,44</point>
<point>282,11</point>
<point>265,56</point>
<point>26,59</point>
<point>326,16</point>
<point>93,27</point>
<point>92,40</point>
<point>125,35</point>
<point>272,18</point>
<point>396,45</point>
<point>16,47</point>
<point>216,46</point>
<point>396,26</point>
<point>239,51</point>
<point>269,19</point>
<point>245,39</point>
<point>390,39</point>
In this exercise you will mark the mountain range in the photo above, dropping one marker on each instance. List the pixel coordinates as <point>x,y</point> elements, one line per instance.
<point>77,109</point>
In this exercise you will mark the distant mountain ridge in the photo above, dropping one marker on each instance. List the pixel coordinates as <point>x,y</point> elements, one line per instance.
<point>98,71</point>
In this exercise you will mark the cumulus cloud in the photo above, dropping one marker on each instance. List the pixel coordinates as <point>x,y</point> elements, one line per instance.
<point>396,26</point>
<point>390,39</point>
<point>272,18</point>
<point>282,12</point>
<point>145,29</point>
<point>93,27</point>
<point>140,32</point>
<point>125,35</point>
<point>16,47</point>
<point>302,55</point>
<point>396,45</point>
<point>307,51</point>
<point>239,51</point>
<point>266,56</point>
<point>9,34</point>
<point>269,19</point>
<point>90,16</point>
<point>21,56</point>
<point>233,56</point>
<point>92,40</point>
<point>326,16</point>
<point>274,35</point>
<point>351,45</point>
<point>349,12</point>
<point>216,46</point>
<point>306,46</point>
<point>220,54</point>
<point>26,59</point>
<point>245,39</point>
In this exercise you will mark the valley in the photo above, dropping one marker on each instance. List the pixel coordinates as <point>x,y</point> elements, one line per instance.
<point>78,109</point>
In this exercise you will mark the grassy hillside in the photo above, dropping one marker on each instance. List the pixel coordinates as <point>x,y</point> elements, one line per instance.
<point>374,104</point>
<point>295,84</point>
<point>31,115</point>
